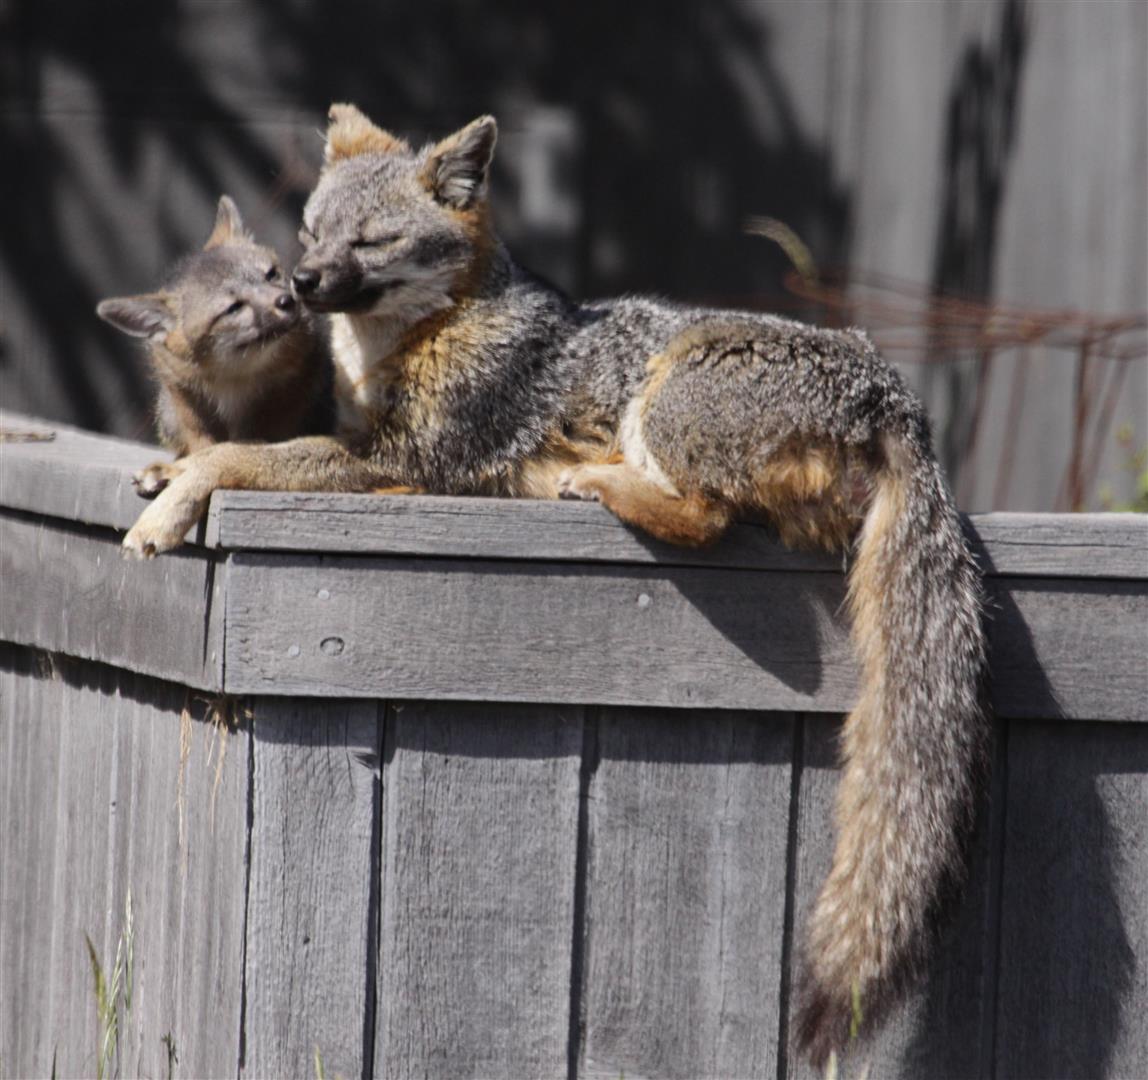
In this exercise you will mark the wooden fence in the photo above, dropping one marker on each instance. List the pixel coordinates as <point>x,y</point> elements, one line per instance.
<point>418,786</point>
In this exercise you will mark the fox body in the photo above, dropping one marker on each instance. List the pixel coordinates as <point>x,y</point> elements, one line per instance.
<point>234,355</point>
<point>459,372</point>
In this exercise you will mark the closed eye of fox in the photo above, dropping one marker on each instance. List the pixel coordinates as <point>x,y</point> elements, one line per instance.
<point>457,371</point>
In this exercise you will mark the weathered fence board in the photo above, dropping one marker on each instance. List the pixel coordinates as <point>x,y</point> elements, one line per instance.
<point>538,632</point>
<point>63,583</point>
<point>32,737</point>
<point>1061,545</point>
<point>71,474</point>
<point>1074,903</point>
<point>1035,545</point>
<point>1075,649</point>
<point>480,823</point>
<point>566,531</point>
<point>82,477</point>
<point>310,902</point>
<point>685,894</point>
<point>124,796</point>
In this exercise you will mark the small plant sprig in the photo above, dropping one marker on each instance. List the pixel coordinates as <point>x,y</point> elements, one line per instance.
<point>113,995</point>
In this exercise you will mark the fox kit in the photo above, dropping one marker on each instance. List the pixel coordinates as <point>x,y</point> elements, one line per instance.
<point>233,353</point>
<point>459,372</point>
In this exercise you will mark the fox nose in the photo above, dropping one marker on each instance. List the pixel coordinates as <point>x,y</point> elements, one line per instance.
<point>285,302</point>
<point>305,281</point>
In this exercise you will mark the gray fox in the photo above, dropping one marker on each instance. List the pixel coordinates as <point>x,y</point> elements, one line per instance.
<point>233,352</point>
<point>457,371</point>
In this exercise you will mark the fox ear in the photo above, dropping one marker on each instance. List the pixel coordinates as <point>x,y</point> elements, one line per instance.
<point>228,224</point>
<point>457,167</point>
<point>139,316</point>
<point>350,133</point>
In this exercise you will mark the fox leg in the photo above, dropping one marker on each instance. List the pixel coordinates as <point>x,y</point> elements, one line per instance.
<point>691,520</point>
<point>310,464</point>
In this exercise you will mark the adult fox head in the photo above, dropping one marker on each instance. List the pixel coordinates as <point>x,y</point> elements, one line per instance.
<point>222,312</point>
<point>389,229</point>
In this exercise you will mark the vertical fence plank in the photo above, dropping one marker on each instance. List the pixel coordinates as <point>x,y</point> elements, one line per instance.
<point>1074,914</point>
<point>309,968</point>
<point>31,745</point>
<point>686,879</point>
<point>480,811</point>
<point>938,1032</point>
<point>183,833</point>
<point>108,786</point>
<point>86,713</point>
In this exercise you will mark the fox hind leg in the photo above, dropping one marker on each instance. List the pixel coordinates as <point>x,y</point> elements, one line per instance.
<point>690,520</point>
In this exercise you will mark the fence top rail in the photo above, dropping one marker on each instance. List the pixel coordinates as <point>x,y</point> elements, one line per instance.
<point>361,596</point>
<point>56,471</point>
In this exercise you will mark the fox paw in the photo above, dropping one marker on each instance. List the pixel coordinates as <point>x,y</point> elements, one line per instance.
<point>151,481</point>
<point>585,482</point>
<point>161,527</point>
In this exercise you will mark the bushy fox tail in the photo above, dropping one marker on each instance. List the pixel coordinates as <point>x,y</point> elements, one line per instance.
<point>911,748</point>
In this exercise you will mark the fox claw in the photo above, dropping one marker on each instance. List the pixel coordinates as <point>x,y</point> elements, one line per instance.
<point>578,483</point>
<point>163,525</point>
<point>151,481</point>
<point>133,548</point>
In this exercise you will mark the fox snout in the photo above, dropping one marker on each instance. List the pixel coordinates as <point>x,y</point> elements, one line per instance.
<point>306,280</point>
<point>331,283</point>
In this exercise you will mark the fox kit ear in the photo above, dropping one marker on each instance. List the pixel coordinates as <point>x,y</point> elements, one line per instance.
<point>457,167</point>
<point>140,316</point>
<point>228,224</point>
<point>350,133</point>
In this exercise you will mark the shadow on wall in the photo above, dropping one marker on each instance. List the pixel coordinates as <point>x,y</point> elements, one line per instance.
<point>636,140</point>
<point>980,132</point>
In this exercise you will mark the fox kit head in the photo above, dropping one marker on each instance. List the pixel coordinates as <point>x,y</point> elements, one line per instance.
<point>390,230</point>
<point>223,313</point>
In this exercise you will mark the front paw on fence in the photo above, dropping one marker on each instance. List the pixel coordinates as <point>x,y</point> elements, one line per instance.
<point>161,527</point>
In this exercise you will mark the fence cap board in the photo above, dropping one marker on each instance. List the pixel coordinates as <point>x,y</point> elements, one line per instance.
<point>494,599</point>
<point>59,471</point>
<point>82,477</point>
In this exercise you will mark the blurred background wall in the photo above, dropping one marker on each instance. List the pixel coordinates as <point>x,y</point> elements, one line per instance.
<point>992,149</point>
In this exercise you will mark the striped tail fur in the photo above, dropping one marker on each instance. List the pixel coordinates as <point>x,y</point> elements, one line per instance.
<point>912,750</point>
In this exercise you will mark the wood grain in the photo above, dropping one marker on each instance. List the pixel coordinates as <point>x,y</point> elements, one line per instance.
<point>480,809</point>
<point>1061,545</point>
<point>680,637</point>
<point>1074,914</point>
<point>536,632</point>
<point>685,893</point>
<point>67,589</point>
<point>86,478</point>
<point>310,918</point>
<point>532,529</point>
<point>1066,545</point>
<point>75,475</point>
<point>112,806</point>
<point>32,747</point>
<point>1069,649</point>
